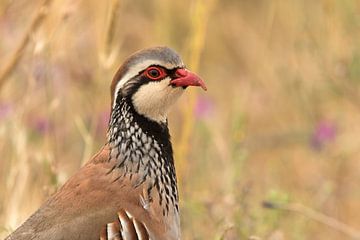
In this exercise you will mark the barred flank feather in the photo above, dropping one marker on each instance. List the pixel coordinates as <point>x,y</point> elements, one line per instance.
<point>126,227</point>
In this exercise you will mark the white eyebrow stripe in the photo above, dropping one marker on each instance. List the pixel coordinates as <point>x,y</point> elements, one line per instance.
<point>135,70</point>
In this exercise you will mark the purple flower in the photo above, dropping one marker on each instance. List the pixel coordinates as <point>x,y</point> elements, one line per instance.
<point>5,110</point>
<point>40,71</point>
<point>102,122</point>
<point>41,125</point>
<point>324,132</point>
<point>203,107</point>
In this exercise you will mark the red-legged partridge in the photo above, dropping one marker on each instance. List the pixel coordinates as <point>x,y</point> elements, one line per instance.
<point>128,190</point>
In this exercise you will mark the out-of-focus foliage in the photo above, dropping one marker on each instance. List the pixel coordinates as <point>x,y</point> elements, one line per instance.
<point>280,120</point>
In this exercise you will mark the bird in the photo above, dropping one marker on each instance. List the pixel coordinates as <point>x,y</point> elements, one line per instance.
<point>128,190</point>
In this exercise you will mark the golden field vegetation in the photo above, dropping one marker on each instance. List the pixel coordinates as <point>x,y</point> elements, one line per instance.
<point>280,122</point>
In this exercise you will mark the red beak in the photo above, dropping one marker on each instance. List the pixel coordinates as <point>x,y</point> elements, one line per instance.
<point>186,78</point>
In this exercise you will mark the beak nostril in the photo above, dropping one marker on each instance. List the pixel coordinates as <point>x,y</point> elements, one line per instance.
<point>181,72</point>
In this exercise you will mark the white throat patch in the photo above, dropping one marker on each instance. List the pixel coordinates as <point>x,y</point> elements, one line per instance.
<point>154,99</point>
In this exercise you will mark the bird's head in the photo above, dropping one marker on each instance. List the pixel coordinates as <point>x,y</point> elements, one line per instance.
<point>152,80</point>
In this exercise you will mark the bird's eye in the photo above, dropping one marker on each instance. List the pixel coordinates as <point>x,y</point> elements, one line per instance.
<point>155,73</point>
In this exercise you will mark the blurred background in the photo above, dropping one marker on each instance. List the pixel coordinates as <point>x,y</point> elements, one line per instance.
<point>280,121</point>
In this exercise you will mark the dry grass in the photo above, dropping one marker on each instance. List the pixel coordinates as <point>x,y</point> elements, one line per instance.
<point>279,123</point>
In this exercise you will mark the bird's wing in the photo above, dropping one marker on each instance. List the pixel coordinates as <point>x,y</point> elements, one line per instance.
<point>94,198</point>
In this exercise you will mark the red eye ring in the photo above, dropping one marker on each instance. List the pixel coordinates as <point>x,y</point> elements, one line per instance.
<point>155,73</point>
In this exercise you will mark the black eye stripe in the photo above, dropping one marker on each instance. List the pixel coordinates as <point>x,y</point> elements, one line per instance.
<point>167,70</point>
